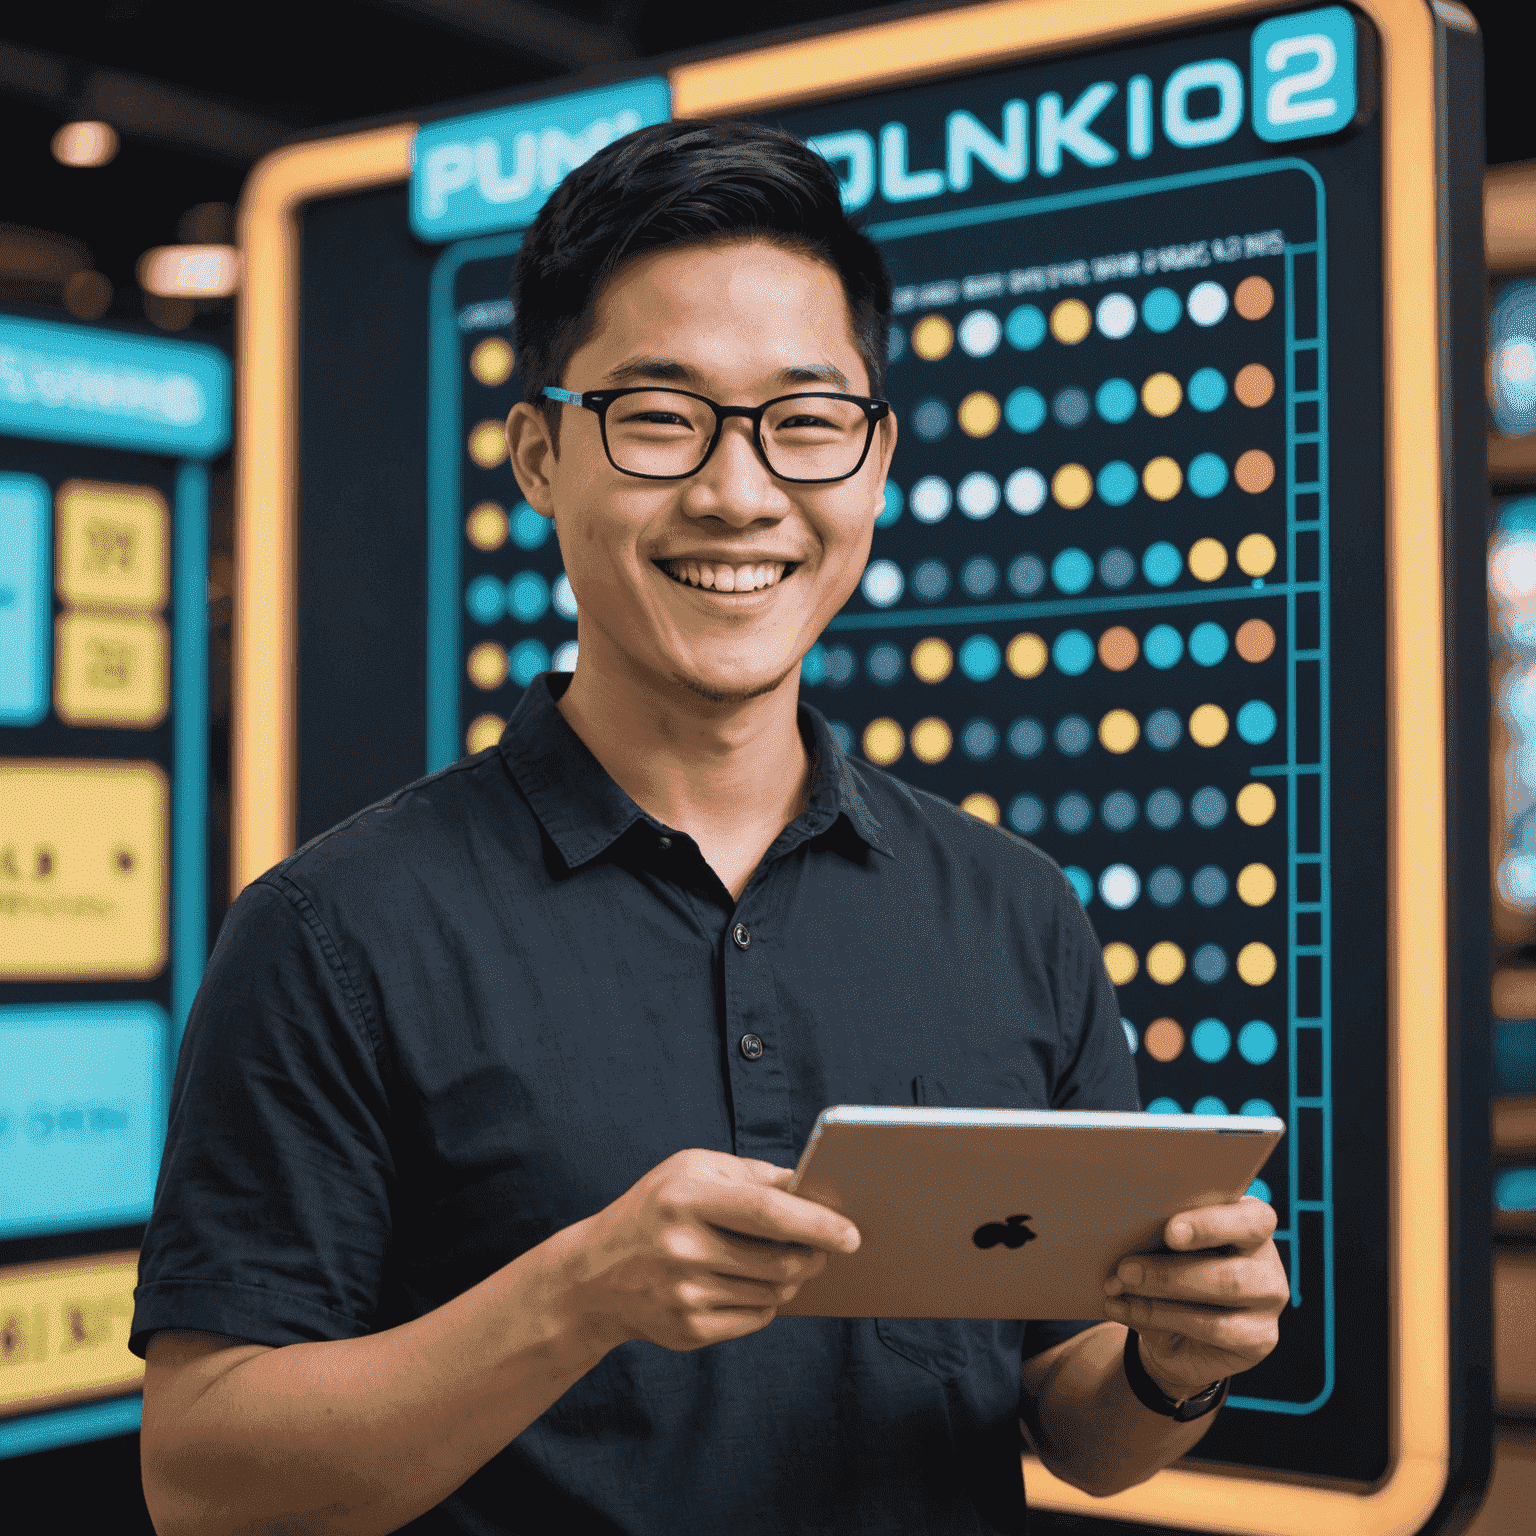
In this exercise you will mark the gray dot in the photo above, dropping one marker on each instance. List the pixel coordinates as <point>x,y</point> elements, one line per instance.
<point>896,345</point>
<point>840,665</point>
<point>1073,813</point>
<point>979,739</point>
<point>1208,886</point>
<point>1163,729</point>
<point>930,420</point>
<point>1026,737</point>
<point>1025,814</point>
<point>1208,806</point>
<point>844,733</point>
<point>885,663</point>
<point>930,580</point>
<point>1119,810</point>
<point>1070,407</point>
<point>979,576</point>
<point>1165,885</point>
<point>1117,568</point>
<point>1164,809</point>
<point>1026,575</point>
<point>1073,735</point>
<point>1209,962</point>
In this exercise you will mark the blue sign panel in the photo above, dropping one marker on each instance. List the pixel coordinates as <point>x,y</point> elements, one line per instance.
<point>1304,75</point>
<point>25,618</point>
<point>75,384</point>
<point>493,170</point>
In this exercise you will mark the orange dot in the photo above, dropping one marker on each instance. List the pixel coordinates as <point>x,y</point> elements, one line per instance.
<point>1254,384</point>
<point>484,731</point>
<point>492,361</point>
<point>1255,471</point>
<point>1254,298</point>
<point>1164,1039</point>
<point>486,526</point>
<point>488,444</point>
<point>1255,641</point>
<point>1118,648</point>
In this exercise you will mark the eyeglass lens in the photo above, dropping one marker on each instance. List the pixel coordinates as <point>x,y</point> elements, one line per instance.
<point>805,437</point>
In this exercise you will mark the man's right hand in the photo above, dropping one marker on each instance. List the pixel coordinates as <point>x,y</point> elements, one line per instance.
<point>705,1247</point>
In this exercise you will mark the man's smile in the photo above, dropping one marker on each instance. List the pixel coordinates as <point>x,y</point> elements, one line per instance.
<point>722,576</point>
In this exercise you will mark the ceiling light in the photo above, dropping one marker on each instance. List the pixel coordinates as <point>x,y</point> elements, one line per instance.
<point>85,144</point>
<point>190,271</point>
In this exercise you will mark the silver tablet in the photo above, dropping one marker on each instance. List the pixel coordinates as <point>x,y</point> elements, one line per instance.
<point>1006,1213</point>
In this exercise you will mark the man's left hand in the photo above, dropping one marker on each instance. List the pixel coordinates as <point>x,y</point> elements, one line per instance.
<point>1210,1307</point>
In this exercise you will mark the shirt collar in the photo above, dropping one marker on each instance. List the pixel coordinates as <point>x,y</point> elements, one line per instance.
<point>584,811</point>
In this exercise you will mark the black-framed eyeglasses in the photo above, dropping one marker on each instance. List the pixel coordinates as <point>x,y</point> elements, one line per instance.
<point>669,434</point>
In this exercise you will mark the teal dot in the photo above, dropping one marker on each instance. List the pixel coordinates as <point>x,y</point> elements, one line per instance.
<point>1025,328</point>
<point>1207,474</point>
<point>1161,309</point>
<point>1116,400</point>
<point>1257,1042</point>
<point>1210,1040</point>
<point>526,660</point>
<point>1207,389</point>
<point>1210,1105</point>
<point>485,600</point>
<point>980,658</point>
<point>1081,883</point>
<point>1515,1190</point>
<point>813,665</point>
<point>1260,1191</point>
<point>1257,1108</point>
<point>1256,722</point>
<point>1071,570</point>
<point>1163,646</point>
<point>1162,564</point>
<point>894,502</point>
<point>1117,483</point>
<point>1024,409</point>
<point>1164,1107</point>
<point>1072,652</point>
<point>1130,1034</point>
<point>1208,644</point>
<point>527,597</point>
<point>529,530</point>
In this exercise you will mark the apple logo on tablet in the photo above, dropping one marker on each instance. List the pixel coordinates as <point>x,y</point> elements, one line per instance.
<point>1011,1234</point>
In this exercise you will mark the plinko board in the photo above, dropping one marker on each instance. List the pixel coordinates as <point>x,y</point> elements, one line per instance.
<point>1178,576</point>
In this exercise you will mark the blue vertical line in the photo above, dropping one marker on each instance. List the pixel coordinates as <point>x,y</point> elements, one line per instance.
<point>1292,781</point>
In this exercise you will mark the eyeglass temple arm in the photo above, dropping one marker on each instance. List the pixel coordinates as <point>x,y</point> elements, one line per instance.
<point>565,396</point>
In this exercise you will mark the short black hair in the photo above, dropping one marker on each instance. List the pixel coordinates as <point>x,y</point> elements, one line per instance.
<point>676,184</point>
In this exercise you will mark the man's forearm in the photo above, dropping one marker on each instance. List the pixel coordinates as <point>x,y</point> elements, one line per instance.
<point>1089,1428</point>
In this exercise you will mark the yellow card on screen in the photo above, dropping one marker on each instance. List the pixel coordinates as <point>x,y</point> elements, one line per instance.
<point>114,546</point>
<point>112,670</point>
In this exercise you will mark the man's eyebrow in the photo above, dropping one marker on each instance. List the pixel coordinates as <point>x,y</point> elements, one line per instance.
<point>672,371</point>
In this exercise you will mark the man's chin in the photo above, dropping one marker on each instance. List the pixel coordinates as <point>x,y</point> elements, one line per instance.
<point>724,690</point>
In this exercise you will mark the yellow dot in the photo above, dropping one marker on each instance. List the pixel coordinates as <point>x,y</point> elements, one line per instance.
<point>1255,804</point>
<point>980,414</point>
<point>484,731</point>
<point>1256,555</point>
<point>1256,963</point>
<point>1072,485</point>
<point>491,362</point>
<point>1207,559</point>
<point>1119,730</point>
<point>1120,961</point>
<point>1162,478</point>
<point>1208,725</point>
<point>932,338</point>
<point>1071,321</point>
<point>883,741</point>
<point>486,526</point>
<point>931,740</point>
<point>1161,395</point>
<point>1256,885</point>
<point>982,807</point>
<point>1027,655</point>
<point>932,660</point>
<point>488,444</point>
<point>487,665</point>
<point>1165,963</point>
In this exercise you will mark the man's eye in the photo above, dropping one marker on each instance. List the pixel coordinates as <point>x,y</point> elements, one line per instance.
<point>655,419</point>
<point>792,423</point>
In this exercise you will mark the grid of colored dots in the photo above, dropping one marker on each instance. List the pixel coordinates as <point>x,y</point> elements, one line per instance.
<point>1167,962</point>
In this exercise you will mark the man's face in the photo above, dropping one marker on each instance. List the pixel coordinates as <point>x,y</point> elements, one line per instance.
<point>720,582</point>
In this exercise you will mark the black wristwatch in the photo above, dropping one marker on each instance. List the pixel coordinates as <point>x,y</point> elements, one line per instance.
<point>1180,1409</point>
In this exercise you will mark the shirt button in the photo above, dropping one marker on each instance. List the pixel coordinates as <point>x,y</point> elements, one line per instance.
<point>740,937</point>
<point>751,1046</point>
<point>666,842</point>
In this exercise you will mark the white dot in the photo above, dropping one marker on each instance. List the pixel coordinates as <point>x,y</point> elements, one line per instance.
<point>883,582</point>
<point>1517,879</point>
<point>1119,886</point>
<point>1116,315</point>
<point>980,333</point>
<point>1207,303</point>
<point>979,495</point>
<point>1025,491</point>
<point>564,659</point>
<point>563,598</point>
<point>1512,568</point>
<point>931,499</point>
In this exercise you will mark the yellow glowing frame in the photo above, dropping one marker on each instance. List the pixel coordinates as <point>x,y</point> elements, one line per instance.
<point>892,53</point>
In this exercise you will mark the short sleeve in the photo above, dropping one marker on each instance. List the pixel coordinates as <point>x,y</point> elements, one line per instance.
<point>271,1218</point>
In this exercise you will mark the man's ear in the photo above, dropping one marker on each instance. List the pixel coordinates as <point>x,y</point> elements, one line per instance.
<point>533,455</point>
<point>886,438</point>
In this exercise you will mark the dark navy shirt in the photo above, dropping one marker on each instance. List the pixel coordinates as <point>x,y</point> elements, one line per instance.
<point>481,1009</point>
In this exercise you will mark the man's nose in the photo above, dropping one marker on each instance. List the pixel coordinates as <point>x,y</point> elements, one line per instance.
<point>736,484</point>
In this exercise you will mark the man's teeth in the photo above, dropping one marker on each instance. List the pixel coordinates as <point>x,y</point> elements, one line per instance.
<point>725,578</point>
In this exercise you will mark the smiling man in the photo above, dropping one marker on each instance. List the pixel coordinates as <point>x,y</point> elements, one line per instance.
<point>473,1212</point>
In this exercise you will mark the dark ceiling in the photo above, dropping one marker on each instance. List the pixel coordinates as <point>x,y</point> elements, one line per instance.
<point>199,93</point>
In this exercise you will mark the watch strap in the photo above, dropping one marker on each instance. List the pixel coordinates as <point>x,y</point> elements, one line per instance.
<point>1150,1395</point>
